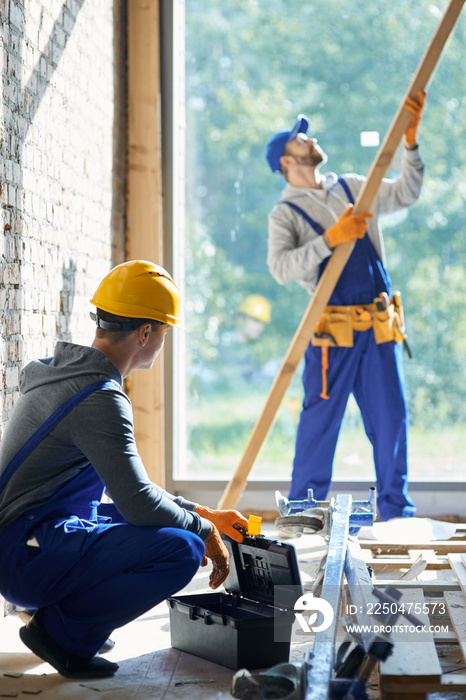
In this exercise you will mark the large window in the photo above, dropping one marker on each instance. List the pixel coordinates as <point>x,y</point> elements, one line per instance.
<point>249,68</point>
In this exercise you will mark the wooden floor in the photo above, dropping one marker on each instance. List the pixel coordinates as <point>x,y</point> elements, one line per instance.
<point>149,668</point>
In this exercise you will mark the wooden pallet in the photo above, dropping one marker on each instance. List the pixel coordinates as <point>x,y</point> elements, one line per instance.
<point>414,671</point>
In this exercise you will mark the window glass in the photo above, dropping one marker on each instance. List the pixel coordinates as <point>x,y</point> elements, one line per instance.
<point>250,69</point>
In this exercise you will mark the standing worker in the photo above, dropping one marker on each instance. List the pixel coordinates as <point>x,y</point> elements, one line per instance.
<point>356,347</point>
<point>85,566</point>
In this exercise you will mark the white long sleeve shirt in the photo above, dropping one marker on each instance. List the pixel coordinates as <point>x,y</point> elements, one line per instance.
<point>295,250</point>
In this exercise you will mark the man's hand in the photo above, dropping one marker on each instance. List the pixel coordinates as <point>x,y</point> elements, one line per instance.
<point>346,228</point>
<point>416,112</point>
<point>216,551</point>
<point>229,522</point>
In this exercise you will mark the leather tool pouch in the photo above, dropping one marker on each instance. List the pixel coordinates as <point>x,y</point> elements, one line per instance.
<point>387,325</point>
<point>336,324</point>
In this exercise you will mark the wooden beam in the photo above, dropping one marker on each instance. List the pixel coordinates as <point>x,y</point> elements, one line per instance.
<point>144,209</point>
<point>337,261</point>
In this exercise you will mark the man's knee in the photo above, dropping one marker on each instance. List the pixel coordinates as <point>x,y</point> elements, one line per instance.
<point>189,550</point>
<point>191,546</point>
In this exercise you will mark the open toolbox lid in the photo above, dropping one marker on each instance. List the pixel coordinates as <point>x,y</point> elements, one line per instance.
<point>258,566</point>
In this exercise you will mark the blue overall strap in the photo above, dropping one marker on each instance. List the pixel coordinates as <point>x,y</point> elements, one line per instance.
<point>363,276</point>
<point>348,192</point>
<point>46,427</point>
<point>315,225</point>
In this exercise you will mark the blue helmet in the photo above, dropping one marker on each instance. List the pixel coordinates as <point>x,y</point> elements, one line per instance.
<point>277,143</point>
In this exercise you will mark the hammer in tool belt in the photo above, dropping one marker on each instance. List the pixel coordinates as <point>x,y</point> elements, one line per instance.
<point>325,341</point>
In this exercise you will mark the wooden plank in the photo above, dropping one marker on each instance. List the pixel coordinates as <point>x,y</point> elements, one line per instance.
<point>144,210</point>
<point>429,587</point>
<point>447,637</point>
<point>378,563</point>
<point>438,546</point>
<point>402,117</point>
<point>456,605</point>
<point>447,684</point>
<point>414,659</point>
<point>337,260</point>
<point>459,570</point>
<point>427,555</point>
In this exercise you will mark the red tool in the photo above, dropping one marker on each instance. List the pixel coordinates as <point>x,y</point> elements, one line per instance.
<point>324,360</point>
<point>325,340</point>
<point>382,301</point>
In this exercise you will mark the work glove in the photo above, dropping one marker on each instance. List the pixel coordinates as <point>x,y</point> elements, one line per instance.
<point>347,227</point>
<point>416,111</point>
<point>229,522</point>
<point>216,551</point>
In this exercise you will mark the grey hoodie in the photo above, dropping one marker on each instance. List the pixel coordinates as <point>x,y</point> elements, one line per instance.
<point>99,430</point>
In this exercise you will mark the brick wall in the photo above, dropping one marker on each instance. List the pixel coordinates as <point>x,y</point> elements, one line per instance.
<point>62,164</point>
<point>62,172</point>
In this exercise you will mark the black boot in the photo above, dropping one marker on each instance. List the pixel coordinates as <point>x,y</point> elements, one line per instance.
<point>26,614</point>
<point>36,638</point>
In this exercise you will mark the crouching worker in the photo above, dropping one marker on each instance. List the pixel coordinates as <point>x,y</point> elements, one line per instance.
<point>85,566</point>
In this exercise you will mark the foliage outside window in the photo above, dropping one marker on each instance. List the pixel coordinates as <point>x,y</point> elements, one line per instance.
<point>251,68</point>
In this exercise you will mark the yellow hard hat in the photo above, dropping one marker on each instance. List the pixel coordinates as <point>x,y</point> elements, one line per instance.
<point>139,289</point>
<point>256,306</point>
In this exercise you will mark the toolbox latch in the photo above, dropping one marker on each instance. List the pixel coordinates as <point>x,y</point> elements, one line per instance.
<point>208,617</point>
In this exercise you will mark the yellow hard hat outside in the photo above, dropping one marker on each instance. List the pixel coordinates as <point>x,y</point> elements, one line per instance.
<point>139,289</point>
<point>256,306</point>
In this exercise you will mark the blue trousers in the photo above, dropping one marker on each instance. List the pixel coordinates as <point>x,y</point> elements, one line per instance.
<point>93,577</point>
<point>374,374</point>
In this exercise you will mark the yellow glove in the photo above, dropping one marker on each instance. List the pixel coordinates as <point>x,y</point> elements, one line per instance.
<point>229,522</point>
<point>347,227</point>
<point>216,551</point>
<point>416,111</point>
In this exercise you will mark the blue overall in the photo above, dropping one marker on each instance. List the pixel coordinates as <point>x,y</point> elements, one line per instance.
<point>93,571</point>
<point>373,374</point>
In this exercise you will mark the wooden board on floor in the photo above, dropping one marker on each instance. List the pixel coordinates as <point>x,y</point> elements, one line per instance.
<point>432,561</point>
<point>414,658</point>
<point>444,547</point>
<point>429,587</point>
<point>456,605</point>
<point>459,568</point>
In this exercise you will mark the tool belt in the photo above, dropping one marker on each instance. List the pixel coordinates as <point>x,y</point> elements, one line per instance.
<point>337,323</point>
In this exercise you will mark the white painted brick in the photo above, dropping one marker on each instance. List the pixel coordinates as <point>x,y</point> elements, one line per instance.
<point>17,15</point>
<point>11,377</point>
<point>56,162</point>
<point>11,273</point>
<point>9,171</point>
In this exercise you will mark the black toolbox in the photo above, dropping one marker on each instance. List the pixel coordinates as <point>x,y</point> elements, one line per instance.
<point>250,625</point>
